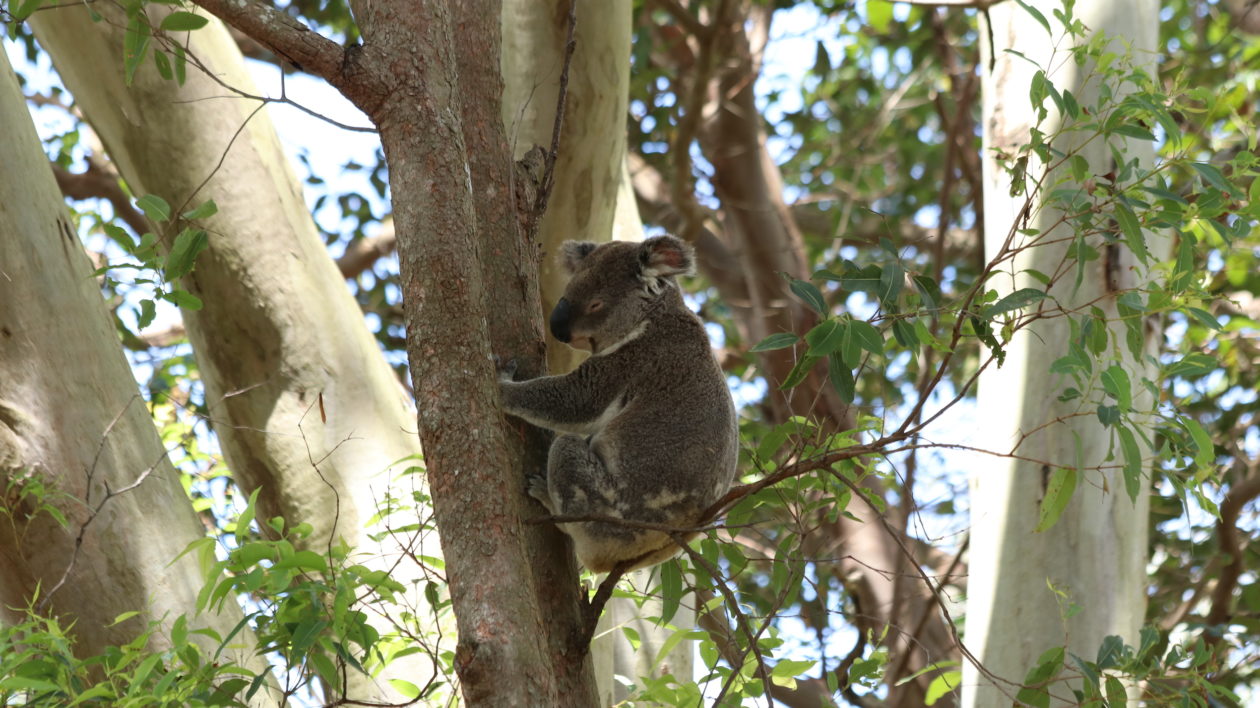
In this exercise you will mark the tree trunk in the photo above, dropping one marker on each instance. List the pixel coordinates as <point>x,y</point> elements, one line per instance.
<point>1096,553</point>
<point>590,163</point>
<point>73,422</point>
<point>509,652</point>
<point>305,406</point>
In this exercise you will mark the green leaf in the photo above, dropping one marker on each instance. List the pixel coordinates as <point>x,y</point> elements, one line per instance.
<point>119,235</point>
<point>1108,415</point>
<point>1048,666</point>
<point>154,207</point>
<point>247,517</point>
<point>891,279</point>
<point>1036,14</point>
<point>1110,651</point>
<point>1115,382</point>
<point>1212,175</point>
<point>942,686</point>
<point>826,337</point>
<point>163,64</point>
<point>1017,300</point>
<point>1132,230</point>
<point>25,9</point>
<point>671,590</point>
<point>1130,130</point>
<point>778,340</point>
<point>183,299</point>
<point>841,378</point>
<point>147,312</point>
<point>798,372</point>
<point>204,210</point>
<point>23,683</point>
<point>1058,493</point>
<point>251,553</point>
<point>867,336</point>
<point>879,13</point>
<point>135,48</point>
<point>406,689</point>
<point>1116,695</point>
<point>123,618</point>
<point>1195,364</point>
<point>303,560</point>
<point>179,632</point>
<point>1034,697</point>
<point>1205,450</point>
<point>188,245</point>
<point>862,280</point>
<point>1205,318</point>
<point>810,295</point>
<point>772,441</point>
<point>788,667</point>
<point>1132,464</point>
<point>1070,105</point>
<point>822,60</point>
<point>305,634</point>
<point>905,335</point>
<point>325,668</point>
<point>183,22</point>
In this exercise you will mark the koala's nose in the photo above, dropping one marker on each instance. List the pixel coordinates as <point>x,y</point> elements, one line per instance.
<point>560,321</point>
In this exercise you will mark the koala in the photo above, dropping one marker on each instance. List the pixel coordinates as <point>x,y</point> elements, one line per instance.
<point>647,428</point>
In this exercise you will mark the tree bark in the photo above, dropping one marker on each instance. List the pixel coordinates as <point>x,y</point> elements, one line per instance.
<point>72,420</point>
<point>305,406</point>
<point>1096,553</point>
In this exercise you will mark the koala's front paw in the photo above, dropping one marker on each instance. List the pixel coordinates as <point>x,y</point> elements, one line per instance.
<point>507,369</point>
<point>536,486</point>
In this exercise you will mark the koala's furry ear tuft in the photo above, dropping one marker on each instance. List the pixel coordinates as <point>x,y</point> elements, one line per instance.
<point>663,256</point>
<point>572,253</point>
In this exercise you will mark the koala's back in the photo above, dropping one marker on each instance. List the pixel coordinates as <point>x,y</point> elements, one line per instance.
<point>671,445</point>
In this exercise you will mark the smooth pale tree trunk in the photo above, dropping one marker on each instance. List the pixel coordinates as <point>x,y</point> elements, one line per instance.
<point>1096,553</point>
<point>72,420</point>
<point>590,166</point>
<point>593,201</point>
<point>304,403</point>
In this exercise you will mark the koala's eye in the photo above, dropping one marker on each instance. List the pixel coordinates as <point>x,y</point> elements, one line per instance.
<point>594,306</point>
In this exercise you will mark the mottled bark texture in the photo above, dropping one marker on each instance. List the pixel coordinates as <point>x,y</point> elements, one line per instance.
<point>407,76</point>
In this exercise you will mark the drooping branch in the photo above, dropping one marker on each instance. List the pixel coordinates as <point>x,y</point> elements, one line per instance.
<point>301,46</point>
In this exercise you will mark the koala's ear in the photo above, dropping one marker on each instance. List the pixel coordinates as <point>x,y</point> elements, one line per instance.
<point>662,256</point>
<point>572,253</point>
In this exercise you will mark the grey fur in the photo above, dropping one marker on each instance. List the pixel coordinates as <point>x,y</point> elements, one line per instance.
<point>648,429</point>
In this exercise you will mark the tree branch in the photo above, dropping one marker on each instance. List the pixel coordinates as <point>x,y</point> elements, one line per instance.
<point>360,255</point>
<point>100,182</point>
<point>298,44</point>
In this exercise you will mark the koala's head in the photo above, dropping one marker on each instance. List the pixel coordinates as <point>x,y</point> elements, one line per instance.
<point>613,288</point>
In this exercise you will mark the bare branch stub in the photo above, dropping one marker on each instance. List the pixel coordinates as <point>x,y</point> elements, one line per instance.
<point>549,178</point>
<point>301,46</point>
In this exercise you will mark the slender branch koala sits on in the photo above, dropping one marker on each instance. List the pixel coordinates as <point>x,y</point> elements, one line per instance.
<point>647,426</point>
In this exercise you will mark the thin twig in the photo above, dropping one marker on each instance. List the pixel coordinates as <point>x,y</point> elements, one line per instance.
<point>549,171</point>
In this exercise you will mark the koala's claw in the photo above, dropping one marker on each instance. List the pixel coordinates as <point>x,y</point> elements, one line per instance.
<point>507,369</point>
<point>536,486</point>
